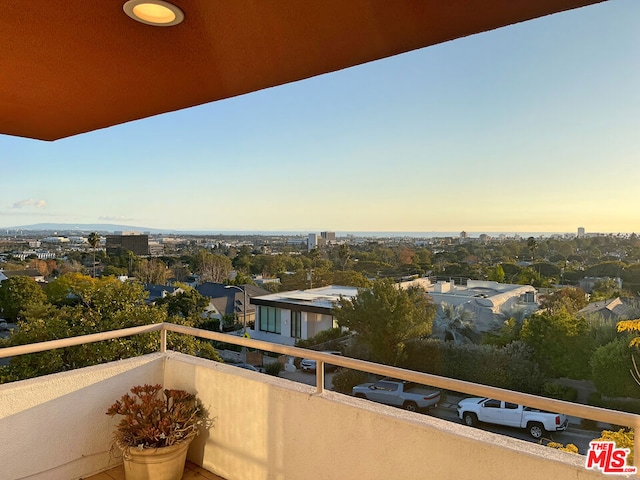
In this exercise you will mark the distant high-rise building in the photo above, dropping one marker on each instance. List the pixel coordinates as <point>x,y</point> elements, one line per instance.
<point>580,232</point>
<point>329,237</point>
<point>313,241</point>
<point>133,242</point>
<point>464,234</point>
<point>322,240</point>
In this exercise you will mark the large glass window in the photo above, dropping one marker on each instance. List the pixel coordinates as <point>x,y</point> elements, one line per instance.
<point>270,319</point>
<point>296,324</point>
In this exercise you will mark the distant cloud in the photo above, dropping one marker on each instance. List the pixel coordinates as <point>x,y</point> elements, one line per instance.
<point>114,218</point>
<point>30,202</point>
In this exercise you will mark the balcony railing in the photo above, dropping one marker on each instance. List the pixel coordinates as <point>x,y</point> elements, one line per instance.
<point>575,410</point>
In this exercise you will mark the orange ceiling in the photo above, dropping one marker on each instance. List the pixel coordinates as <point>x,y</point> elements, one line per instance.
<point>72,66</point>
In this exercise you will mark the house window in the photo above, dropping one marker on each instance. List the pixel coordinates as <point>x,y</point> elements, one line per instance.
<point>296,324</point>
<point>270,319</point>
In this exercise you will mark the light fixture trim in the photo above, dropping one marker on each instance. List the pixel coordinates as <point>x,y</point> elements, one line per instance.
<point>157,13</point>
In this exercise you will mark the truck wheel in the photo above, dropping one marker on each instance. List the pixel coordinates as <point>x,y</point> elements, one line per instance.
<point>536,430</point>
<point>411,406</point>
<point>470,419</point>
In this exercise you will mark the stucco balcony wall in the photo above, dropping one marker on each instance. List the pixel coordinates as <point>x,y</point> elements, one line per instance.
<point>269,428</point>
<point>55,428</point>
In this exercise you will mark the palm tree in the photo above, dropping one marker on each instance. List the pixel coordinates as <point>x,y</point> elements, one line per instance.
<point>454,324</point>
<point>532,245</point>
<point>94,241</point>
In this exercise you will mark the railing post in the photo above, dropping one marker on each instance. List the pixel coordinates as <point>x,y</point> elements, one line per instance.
<point>636,452</point>
<point>319,376</point>
<point>163,340</point>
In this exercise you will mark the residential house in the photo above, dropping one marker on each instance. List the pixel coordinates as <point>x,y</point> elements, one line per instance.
<point>34,274</point>
<point>230,300</point>
<point>588,283</point>
<point>614,310</point>
<point>160,291</point>
<point>297,315</point>
<point>489,302</point>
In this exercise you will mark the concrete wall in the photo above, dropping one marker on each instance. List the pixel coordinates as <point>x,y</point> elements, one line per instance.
<point>55,427</point>
<point>269,428</point>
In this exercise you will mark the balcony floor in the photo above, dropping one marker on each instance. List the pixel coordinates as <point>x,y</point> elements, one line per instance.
<point>191,472</point>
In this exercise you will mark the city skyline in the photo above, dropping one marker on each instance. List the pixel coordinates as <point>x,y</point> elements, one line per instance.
<point>527,128</point>
<point>63,229</point>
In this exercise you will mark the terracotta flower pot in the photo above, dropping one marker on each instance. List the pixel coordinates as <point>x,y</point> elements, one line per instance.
<point>165,463</point>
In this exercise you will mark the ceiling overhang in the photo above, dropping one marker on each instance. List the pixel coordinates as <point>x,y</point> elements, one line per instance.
<point>73,66</point>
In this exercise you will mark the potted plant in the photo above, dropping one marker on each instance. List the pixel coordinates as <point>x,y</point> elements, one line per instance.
<point>156,429</point>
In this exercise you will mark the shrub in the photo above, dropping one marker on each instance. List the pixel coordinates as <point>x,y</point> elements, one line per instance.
<point>630,405</point>
<point>569,447</point>
<point>623,438</point>
<point>512,366</point>
<point>559,392</point>
<point>328,339</point>
<point>345,380</point>
<point>273,368</point>
<point>610,370</point>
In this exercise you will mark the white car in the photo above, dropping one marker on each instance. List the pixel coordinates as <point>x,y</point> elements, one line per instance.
<point>309,365</point>
<point>535,421</point>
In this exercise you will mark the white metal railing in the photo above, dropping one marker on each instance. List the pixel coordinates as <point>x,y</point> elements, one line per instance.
<point>568,408</point>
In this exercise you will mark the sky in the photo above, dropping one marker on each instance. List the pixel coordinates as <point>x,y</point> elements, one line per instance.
<point>534,127</point>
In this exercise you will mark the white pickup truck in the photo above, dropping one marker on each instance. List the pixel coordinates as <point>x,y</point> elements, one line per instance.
<point>472,410</point>
<point>408,395</point>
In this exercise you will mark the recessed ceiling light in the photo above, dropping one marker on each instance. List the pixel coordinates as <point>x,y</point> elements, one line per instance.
<point>154,12</point>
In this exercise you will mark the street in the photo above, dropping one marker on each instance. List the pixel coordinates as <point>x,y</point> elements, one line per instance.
<point>446,410</point>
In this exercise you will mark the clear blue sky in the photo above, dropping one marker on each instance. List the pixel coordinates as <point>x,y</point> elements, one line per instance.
<point>530,128</point>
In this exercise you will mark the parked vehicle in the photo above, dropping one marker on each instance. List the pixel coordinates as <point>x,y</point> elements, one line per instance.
<point>474,410</point>
<point>309,365</point>
<point>247,366</point>
<point>399,393</point>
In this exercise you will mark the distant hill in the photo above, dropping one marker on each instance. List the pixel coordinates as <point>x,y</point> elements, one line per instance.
<point>85,228</point>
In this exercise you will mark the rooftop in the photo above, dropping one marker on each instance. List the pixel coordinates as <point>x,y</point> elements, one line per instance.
<point>320,298</point>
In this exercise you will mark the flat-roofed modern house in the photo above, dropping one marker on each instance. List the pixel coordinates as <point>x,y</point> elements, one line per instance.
<point>489,302</point>
<point>297,315</point>
<point>74,66</point>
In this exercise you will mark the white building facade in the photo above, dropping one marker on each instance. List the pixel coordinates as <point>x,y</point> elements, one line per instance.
<point>297,315</point>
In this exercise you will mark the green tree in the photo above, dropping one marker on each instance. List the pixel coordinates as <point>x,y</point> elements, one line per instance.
<point>528,276</point>
<point>94,241</point>
<point>611,368</point>
<point>152,271</point>
<point>572,299</point>
<point>17,294</point>
<point>211,267</point>
<point>384,318</point>
<point>344,254</point>
<point>497,274</point>
<point>188,303</point>
<point>561,342</point>
<point>66,289</point>
<point>101,305</point>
